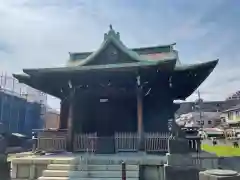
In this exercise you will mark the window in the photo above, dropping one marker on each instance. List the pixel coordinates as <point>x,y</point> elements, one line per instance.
<point>223,119</point>
<point>237,113</point>
<point>200,122</point>
<point>209,122</point>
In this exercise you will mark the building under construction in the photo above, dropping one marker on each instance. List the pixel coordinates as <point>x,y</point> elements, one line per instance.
<point>21,107</point>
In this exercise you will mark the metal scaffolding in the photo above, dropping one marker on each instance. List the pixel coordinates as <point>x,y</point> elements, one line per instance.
<point>15,100</point>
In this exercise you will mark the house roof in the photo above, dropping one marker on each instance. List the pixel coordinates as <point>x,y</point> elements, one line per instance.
<point>234,108</point>
<point>233,121</point>
<point>213,131</point>
<point>208,106</point>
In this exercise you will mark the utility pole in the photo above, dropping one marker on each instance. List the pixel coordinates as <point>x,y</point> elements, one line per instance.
<point>200,108</point>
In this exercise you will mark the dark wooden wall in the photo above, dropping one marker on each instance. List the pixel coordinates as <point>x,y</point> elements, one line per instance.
<point>158,106</point>
<point>119,114</point>
<point>105,118</point>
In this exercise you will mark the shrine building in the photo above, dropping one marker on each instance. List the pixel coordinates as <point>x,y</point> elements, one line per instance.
<point>118,89</point>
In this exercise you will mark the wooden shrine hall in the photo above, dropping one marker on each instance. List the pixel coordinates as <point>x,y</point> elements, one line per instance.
<point>117,90</point>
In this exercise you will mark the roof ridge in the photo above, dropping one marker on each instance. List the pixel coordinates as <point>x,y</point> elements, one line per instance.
<point>116,40</point>
<point>133,49</point>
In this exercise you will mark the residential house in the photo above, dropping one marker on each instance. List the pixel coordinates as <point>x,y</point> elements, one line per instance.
<point>207,106</point>
<point>232,113</point>
<point>203,120</point>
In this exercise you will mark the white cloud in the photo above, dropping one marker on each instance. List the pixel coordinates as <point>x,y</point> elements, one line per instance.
<point>41,33</point>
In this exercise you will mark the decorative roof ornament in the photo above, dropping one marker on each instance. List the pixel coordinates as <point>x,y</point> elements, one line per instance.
<point>112,33</point>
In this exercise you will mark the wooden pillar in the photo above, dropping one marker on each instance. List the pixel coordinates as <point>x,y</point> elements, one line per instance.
<point>70,129</point>
<point>64,109</point>
<point>139,111</point>
<point>140,128</point>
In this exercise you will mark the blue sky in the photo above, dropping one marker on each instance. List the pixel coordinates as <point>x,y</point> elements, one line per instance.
<point>40,33</point>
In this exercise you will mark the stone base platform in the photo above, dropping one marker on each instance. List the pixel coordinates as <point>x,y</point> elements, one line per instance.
<point>32,167</point>
<point>219,174</point>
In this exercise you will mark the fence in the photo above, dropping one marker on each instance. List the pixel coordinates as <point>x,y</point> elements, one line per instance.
<point>51,141</point>
<point>51,144</point>
<point>85,142</point>
<point>153,142</point>
<point>156,142</point>
<point>126,141</point>
<point>123,141</point>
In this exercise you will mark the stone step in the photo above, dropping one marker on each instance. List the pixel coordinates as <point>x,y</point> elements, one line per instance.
<point>89,174</point>
<point>107,161</point>
<point>107,168</point>
<point>62,167</point>
<point>116,160</point>
<point>65,161</point>
<point>54,178</point>
<point>76,178</point>
<point>92,167</point>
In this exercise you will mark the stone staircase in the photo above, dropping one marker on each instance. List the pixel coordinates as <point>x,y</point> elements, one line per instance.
<point>90,168</point>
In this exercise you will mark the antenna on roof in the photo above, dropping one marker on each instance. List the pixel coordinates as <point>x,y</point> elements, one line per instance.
<point>110,26</point>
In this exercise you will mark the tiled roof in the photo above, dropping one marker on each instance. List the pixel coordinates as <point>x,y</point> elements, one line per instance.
<point>233,108</point>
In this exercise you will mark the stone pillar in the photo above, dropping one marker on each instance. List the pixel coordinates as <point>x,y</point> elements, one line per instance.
<point>70,128</point>
<point>217,174</point>
<point>140,127</point>
<point>183,161</point>
<point>179,161</point>
<point>63,124</point>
